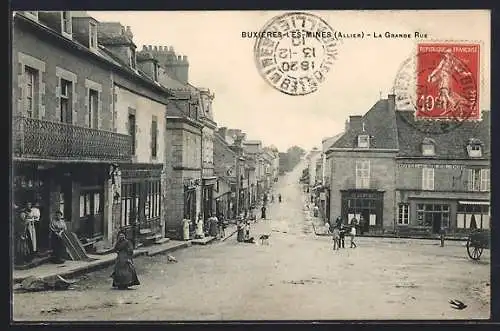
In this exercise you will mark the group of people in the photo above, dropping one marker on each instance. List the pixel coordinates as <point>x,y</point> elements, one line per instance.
<point>27,232</point>
<point>339,231</point>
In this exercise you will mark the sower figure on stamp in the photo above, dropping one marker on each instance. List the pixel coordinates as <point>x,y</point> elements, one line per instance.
<point>443,75</point>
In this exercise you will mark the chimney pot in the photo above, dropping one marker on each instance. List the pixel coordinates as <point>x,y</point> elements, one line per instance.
<point>171,48</point>
<point>165,48</point>
<point>144,48</point>
<point>179,58</point>
<point>185,58</point>
<point>160,48</point>
<point>156,48</point>
<point>392,102</point>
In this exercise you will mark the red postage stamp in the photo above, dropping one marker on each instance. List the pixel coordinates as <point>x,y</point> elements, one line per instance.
<point>447,81</point>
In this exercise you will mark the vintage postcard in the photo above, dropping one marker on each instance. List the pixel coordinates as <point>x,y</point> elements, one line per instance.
<point>250,165</point>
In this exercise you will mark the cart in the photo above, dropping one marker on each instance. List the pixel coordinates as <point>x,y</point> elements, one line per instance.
<point>478,241</point>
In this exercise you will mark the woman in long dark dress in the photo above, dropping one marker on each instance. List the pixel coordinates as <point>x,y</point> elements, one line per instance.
<point>57,227</point>
<point>124,274</point>
<point>20,239</point>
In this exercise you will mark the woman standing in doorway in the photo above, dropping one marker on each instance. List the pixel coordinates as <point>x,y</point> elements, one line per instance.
<point>124,274</point>
<point>20,239</point>
<point>57,227</point>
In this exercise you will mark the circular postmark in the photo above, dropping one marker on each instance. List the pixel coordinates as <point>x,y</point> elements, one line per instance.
<point>438,88</point>
<point>295,51</point>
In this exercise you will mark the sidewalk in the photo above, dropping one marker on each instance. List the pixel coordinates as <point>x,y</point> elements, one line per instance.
<point>75,268</point>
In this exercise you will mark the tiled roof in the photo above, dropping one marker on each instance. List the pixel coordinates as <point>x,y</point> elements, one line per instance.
<point>380,124</point>
<point>451,144</point>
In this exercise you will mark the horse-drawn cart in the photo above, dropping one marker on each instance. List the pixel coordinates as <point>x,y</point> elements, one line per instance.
<point>478,241</point>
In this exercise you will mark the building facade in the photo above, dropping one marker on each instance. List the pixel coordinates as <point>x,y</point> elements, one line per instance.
<point>65,144</point>
<point>396,177</point>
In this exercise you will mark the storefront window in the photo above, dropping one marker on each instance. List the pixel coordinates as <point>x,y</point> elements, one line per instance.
<point>433,215</point>
<point>470,216</point>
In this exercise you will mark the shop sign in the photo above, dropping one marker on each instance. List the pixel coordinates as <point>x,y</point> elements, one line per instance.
<point>434,166</point>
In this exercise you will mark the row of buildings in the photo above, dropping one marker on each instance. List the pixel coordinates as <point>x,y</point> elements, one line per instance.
<point>117,138</point>
<point>401,178</point>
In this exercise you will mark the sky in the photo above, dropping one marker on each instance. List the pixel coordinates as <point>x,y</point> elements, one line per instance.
<point>221,60</point>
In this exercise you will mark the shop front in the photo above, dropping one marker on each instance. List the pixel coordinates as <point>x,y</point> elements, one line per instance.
<point>208,196</point>
<point>366,206</point>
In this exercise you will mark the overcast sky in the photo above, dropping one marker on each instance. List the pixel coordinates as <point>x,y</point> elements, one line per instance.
<point>220,59</point>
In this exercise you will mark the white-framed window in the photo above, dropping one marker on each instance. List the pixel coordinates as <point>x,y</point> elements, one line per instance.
<point>66,25</point>
<point>404,214</point>
<point>428,179</point>
<point>93,109</point>
<point>65,100</point>
<point>363,174</point>
<point>31,91</point>
<point>363,141</point>
<point>155,72</point>
<point>479,180</point>
<point>475,150</point>
<point>428,150</point>
<point>92,35</point>
<point>473,216</point>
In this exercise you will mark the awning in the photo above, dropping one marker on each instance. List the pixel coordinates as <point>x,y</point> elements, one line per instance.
<point>486,203</point>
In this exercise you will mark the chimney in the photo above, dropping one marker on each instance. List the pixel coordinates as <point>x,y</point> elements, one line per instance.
<point>223,131</point>
<point>355,122</point>
<point>129,33</point>
<point>346,125</point>
<point>391,98</point>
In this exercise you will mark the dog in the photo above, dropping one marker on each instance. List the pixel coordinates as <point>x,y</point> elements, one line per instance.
<point>264,238</point>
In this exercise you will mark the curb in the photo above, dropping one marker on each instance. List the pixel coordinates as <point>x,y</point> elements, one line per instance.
<point>105,263</point>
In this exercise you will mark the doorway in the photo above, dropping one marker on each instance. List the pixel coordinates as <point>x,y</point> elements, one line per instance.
<point>436,223</point>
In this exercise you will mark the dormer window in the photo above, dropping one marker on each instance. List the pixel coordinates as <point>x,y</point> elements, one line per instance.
<point>363,141</point>
<point>155,72</point>
<point>475,148</point>
<point>132,60</point>
<point>428,147</point>
<point>92,36</point>
<point>66,27</point>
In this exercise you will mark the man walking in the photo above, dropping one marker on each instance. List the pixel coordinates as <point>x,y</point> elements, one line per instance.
<point>353,235</point>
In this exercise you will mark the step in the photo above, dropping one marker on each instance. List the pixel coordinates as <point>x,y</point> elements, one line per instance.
<point>162,241</point>
<point>154,236</point>
<point>145,231</point>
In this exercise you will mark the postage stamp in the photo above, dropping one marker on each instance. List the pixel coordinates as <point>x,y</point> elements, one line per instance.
<point>440,82</point>
<point>295,51</point>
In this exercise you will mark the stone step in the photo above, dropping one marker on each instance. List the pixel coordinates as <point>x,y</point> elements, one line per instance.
<point>145,231</point>
<point>162,241</point>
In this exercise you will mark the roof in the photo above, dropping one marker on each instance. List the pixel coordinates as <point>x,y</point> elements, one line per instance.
<point>328,142</point>
<point>380,124</point>
<point>449,145</point>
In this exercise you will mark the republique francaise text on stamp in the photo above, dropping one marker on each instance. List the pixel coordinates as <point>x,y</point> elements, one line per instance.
<point>295,51</point>
<point>441,82</point>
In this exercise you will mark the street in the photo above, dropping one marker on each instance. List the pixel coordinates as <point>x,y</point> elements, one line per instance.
<point>297,276</point>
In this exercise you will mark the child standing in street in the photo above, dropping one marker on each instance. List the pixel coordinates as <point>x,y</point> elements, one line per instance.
<point>336,238</point>
<point>353,235</point>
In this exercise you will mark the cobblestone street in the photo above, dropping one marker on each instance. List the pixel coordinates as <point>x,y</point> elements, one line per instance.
<point>297,276</point>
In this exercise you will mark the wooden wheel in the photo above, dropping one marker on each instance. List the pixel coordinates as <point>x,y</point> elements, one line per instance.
<point>474,251</point>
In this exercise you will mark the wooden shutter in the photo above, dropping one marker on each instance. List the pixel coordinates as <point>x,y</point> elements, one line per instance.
<point>58,99</point>
<point>88,107</point>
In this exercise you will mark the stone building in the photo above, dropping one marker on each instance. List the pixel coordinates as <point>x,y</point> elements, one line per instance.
<point>83,130</point>
<point>183,148</point>
<point>225,164</point>
<point>400,178</point>
<point>253,163</point>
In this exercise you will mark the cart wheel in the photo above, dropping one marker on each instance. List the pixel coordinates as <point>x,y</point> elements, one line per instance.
<point>474,251</point>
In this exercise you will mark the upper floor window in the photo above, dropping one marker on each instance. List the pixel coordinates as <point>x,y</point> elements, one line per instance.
<point>428,179</point>
<point>362,174</point>
<point>31,91</point>
<point>92,35</point>
<point>93,109</point>
<point>155,72</point>
<point>66,26</point>
<point>154,137</point>
<point>66,101</point>
<point>479,180</point>
<point>364,141</point>
<point>474,150</point>
<point>428,147</point>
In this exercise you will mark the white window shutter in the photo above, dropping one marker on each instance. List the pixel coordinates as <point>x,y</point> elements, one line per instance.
<point>99,110</point>
<point>470,176</point>
<point>485,179</point>
<point>58,99</point>
<point>87,107</point>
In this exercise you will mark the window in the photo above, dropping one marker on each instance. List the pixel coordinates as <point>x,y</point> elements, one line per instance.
<point>155,72</point>
<point>473,214</point>
<point>363,141</point>
<point>432,214</point>
<point>66,22</point>
<point>132,130</point>
<point>428,179</point>
<point>428,150</point>
<point>90,203</point>
<point>93,109</point>
<point>132,58</point>
<point>362,174</point>
<point>474,150</point>
<point>92,35</point>
<point>154,137</point>
<point>153,200</point>
<point>130,203</point>
<point>31,91</point>
<point>479,180</point>
<point>404,214</point>
<point>66,101</point>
